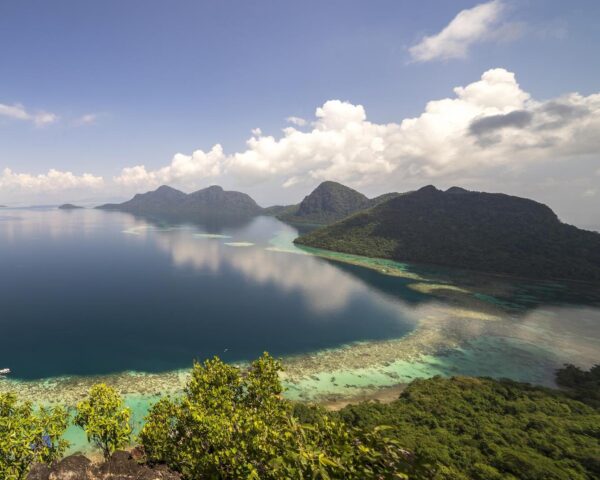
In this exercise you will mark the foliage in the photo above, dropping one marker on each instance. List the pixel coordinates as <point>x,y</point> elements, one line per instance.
<point>476,428</point>
<point>28,435</point>
<point>231,424</point>
<point>583,386</point>
<point>105,419</point>
<point>472,230</point>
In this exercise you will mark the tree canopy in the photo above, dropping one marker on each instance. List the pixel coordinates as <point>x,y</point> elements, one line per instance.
<point>29,435</point>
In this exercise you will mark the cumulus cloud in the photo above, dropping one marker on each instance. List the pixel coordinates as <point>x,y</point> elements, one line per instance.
<point>19,112</point>
<point>480,23</point>
<point>183,170</point>
<point>489,124</point>
<point>53,181</point>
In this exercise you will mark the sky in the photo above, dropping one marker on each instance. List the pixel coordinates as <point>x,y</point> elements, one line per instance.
<point>100,100</point>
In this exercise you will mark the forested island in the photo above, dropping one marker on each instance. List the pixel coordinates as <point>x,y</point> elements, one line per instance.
<point>232,423</point>
<point>486,232</point>
<point>170,201</point>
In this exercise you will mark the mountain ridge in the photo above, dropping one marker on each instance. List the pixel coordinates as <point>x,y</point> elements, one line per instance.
<point>213,200</point>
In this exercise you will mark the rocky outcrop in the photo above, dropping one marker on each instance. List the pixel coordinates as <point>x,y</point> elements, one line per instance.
<point>121,466</point>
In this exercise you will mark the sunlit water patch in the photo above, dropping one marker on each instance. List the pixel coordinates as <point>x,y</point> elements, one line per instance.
<point>210,235</point>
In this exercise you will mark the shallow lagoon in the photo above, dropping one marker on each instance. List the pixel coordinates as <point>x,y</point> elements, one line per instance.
<point>93,296</point>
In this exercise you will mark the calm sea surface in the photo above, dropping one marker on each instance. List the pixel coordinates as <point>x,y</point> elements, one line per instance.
<point>89,292</point>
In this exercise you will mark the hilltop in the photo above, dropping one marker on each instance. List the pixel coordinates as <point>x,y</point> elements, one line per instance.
<point>488,232</point>
<point>206,202</point>
<point>328,203</point>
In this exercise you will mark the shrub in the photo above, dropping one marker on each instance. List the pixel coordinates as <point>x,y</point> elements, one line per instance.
<point>28,435</point>
<point>105,419</point>
<point>232,424</point>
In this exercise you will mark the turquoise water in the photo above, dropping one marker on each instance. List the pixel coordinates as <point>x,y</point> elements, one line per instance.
<point>91,296</point>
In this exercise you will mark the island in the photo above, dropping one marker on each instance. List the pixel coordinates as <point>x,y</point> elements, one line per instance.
<point>166,200</point>
<point>486,232</point>
<point>69,206</point>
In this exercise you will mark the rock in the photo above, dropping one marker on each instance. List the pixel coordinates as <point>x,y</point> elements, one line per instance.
<point>74,467</point>
<point>138,454</point>
<point>121,466</point>
<point>39,471</point>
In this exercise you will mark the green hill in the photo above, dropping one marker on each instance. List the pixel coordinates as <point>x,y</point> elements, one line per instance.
<point>488,232</point>
<point>328,203</point>
<point>206,202</point>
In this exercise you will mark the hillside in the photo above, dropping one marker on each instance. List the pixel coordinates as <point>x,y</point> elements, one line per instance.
<point>208,201</point>
<point>328,203</point>
<point>280,210</point>
<point>480,428</point>
<point>488,232</point>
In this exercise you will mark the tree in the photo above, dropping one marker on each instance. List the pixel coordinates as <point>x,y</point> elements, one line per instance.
<point>28,435</point>
<point>105,419</point>
<point>234,424</point>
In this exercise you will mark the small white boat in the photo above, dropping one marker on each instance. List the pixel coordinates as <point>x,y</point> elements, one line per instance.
<point>4,371</point>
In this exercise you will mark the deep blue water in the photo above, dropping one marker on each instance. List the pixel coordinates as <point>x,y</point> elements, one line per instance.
<point>90,292</point>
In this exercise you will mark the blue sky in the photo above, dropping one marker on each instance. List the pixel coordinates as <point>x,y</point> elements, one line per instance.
<point>126,84</point>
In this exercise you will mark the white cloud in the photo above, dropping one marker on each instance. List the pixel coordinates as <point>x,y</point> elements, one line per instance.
<point>53,181</point>
<point>18,112</point>
<point>300,122</point>
<point>14,111</point>
<point>486,127</point>
<point>87,119</point>
<point>480,23</point>
<point>183,170</point>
